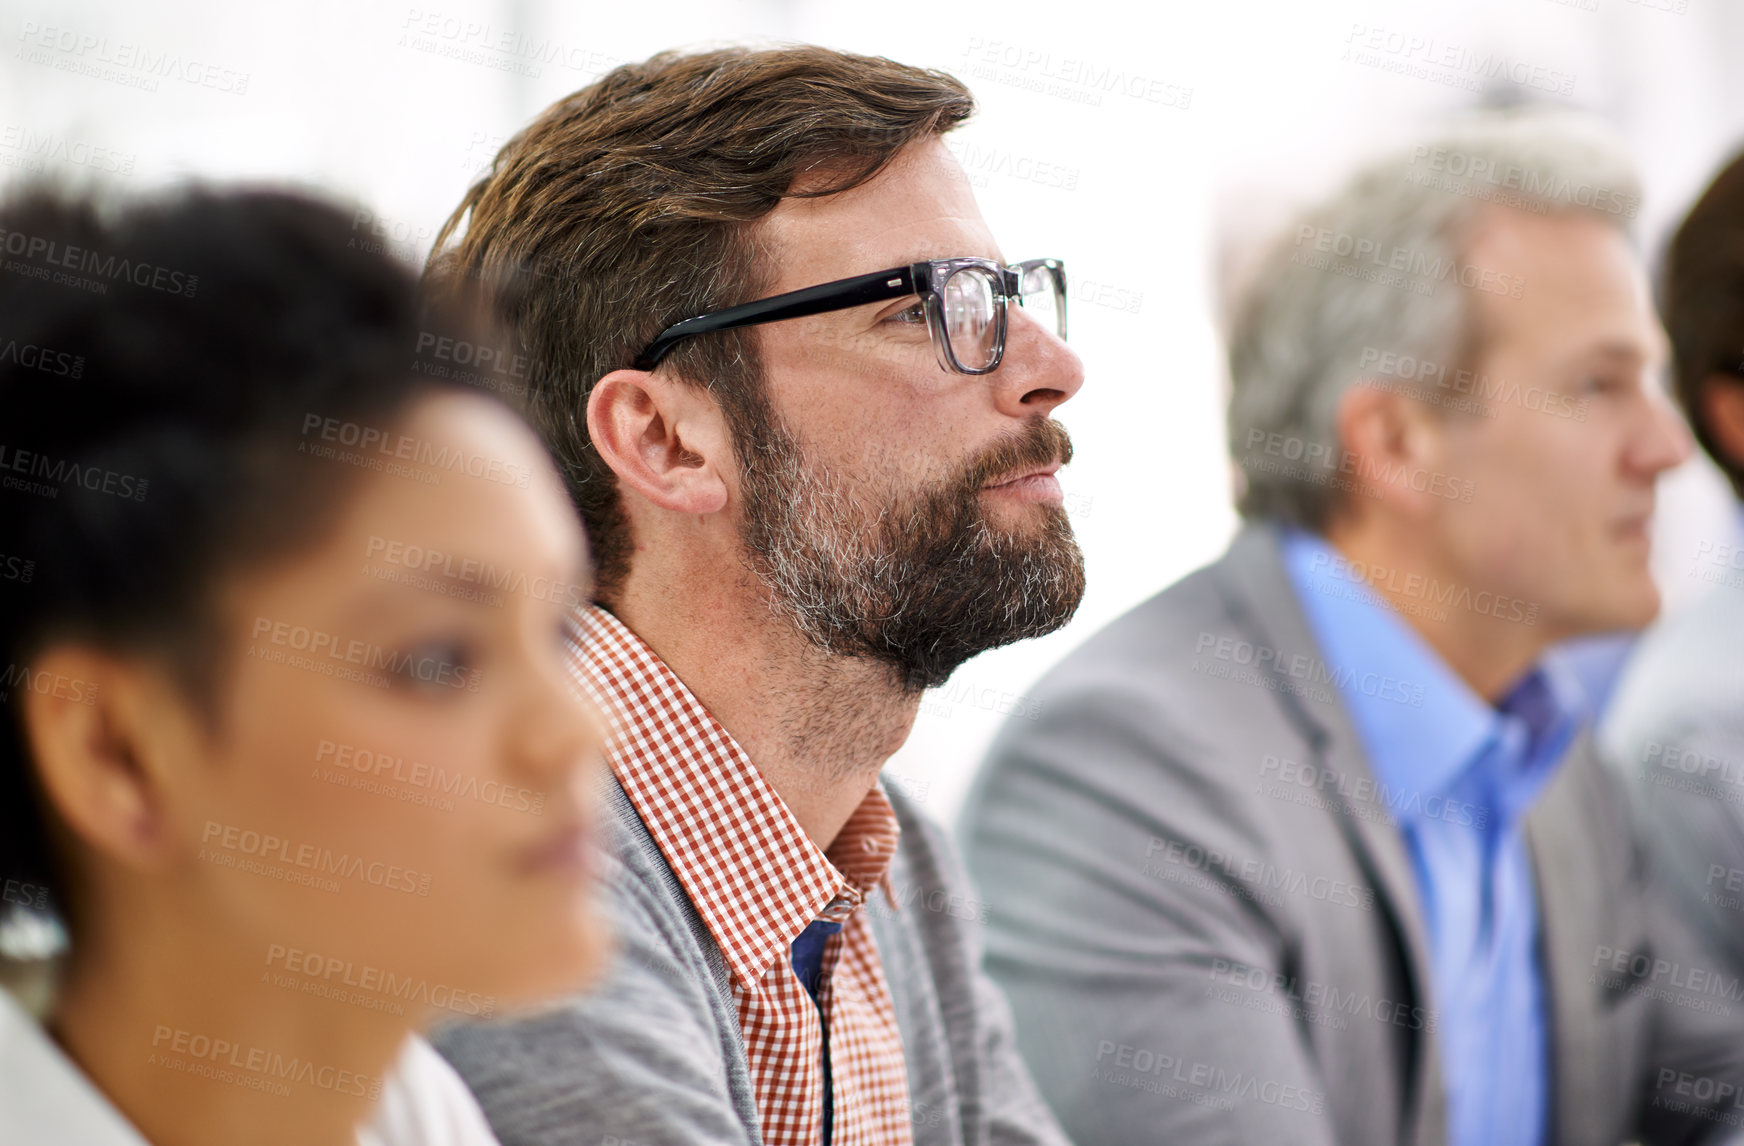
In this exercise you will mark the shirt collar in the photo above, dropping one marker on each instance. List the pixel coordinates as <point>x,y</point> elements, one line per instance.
<point>44,1096</point>
<point>756,879</point>
<point>1423,728</point>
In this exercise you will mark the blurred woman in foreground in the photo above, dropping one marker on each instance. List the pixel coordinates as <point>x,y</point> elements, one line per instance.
<point>286,743</point>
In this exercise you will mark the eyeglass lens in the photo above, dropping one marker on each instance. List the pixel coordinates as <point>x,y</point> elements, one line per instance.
<point>971,311</point>
<point>1039,295</point>
<point>970,318</point>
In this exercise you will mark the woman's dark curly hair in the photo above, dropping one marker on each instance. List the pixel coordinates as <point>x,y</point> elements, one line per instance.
<point>161,365</point>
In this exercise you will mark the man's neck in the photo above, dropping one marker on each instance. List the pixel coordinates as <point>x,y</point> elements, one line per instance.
<point>818,727</point>
<point>1489,651</point>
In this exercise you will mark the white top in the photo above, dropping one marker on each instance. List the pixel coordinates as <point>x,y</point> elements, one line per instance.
<point>46,1100</point>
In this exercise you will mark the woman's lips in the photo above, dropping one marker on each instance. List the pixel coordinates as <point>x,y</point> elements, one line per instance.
<point>567,852</point>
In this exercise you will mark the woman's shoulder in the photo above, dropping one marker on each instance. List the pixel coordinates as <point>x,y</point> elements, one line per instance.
<point>44,1096</point>
<point>424,1103</point>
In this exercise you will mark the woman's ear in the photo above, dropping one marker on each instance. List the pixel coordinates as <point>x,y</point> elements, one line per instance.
<point>96,727</point>
<point>664,439</point>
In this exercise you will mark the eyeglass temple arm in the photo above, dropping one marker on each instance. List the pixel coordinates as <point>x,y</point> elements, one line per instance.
<point>839,295</point>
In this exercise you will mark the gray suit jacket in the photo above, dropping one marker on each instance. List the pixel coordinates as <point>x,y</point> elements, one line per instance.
<point>1209,928</point>
<point>653,1057</point>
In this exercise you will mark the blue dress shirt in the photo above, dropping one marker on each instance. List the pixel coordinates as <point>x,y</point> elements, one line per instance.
<point>1458,775</point>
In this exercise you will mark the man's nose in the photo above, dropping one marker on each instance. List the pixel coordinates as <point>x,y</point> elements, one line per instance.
<point>1039,371</point>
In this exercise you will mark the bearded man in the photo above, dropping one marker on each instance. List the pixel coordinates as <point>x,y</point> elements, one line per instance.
<point>772,343</point>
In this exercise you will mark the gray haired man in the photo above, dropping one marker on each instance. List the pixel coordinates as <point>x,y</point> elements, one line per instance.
<point>1311,847</point>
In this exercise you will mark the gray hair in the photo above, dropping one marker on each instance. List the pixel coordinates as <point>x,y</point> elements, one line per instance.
<point>1370,285</point>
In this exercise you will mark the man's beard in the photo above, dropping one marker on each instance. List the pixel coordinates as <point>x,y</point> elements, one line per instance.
<point>921,582</point>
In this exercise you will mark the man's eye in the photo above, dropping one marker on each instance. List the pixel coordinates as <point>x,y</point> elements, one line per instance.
<point>915,314</point>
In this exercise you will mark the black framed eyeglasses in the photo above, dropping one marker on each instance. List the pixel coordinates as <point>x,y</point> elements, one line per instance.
<point>963,300</point>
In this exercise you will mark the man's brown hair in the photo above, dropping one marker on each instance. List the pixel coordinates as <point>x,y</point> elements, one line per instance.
<point>632,204</point>
<point>1702,299</point>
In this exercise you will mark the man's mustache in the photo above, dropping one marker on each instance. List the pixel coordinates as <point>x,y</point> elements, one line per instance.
<point>1043,442</point>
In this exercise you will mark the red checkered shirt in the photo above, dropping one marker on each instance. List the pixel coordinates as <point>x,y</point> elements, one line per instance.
<point>757,880</point>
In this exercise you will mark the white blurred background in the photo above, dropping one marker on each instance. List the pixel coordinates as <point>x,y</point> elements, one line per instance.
<point>1147,144</point>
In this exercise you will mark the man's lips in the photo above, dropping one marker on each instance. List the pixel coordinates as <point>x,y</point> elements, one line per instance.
<point>1034,484</point>
<point>1048,470</point>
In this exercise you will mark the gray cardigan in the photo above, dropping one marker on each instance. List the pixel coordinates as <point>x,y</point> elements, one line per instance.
<point>653,1056</point>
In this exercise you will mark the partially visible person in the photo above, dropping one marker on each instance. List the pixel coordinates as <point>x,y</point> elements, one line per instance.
<point>288,761</point>
<point>805,404</point>
<point>1311,847</point>
<point>1676,732</point>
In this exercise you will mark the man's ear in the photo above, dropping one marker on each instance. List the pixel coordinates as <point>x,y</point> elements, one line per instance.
<point>1387,440</point>
<point>95,726</point>
<point>664,439</point>
<point>1722,415</point>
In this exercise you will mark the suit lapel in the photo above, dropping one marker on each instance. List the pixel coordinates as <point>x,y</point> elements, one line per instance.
<point>1572,915</point>
<point>1263,599</point>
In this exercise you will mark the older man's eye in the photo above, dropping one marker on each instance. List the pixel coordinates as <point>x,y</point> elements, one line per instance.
<point>915,314</point>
